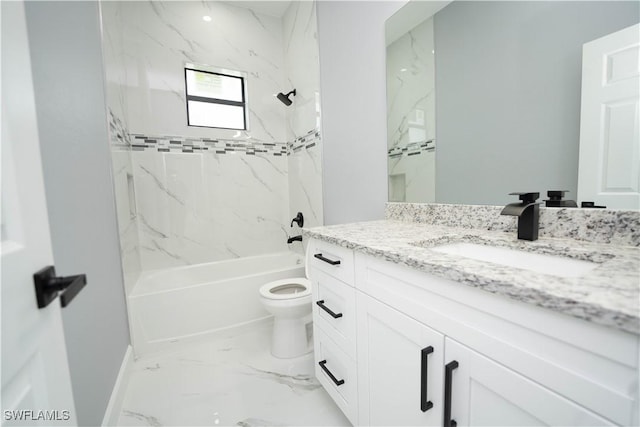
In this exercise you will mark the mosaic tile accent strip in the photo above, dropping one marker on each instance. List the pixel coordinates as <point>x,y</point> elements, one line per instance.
<point>411,149</point>
<point>620,227</point>
<point>118,131</point>
<point>309,140</point>
<point>179,144</point>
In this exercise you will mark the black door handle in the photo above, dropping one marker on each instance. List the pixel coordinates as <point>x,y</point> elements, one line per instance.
<point>327,260</point>
<point>425,404</point>
<point>328,310</point>
<point>448,379</point>
<point>48,285</point>
<point>326,370</point>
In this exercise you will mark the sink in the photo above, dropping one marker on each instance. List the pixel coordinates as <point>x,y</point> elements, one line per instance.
<point>539,263</point>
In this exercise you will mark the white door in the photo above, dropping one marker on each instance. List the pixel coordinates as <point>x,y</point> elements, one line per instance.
<point>36,387</point>
<point>399,368</point>
<point>485,393</point>
<point>609,165</point>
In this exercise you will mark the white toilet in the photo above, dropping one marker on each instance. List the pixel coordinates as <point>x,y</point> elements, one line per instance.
<point>289,300</point>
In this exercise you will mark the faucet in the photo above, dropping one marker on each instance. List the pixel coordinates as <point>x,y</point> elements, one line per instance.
<point>299,219</point>
<point>528,212</point>
<point>555,200</point>
<point>294,239</point>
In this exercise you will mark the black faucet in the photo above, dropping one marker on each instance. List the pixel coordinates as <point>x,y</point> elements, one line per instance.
<point>294,239</point>
<point>299,219</point>
<point>528,212</point>
<point>556,201</point>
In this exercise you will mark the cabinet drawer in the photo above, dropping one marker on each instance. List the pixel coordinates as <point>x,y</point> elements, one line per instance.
<point>334,310</point>
<point>330,362</point>
<point>331,259</point>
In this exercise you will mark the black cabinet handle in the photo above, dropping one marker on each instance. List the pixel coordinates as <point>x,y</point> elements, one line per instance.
<point>328,310</point>
<point>48,285</point>
<point>327,260</point>
<point>326,370</point>
<point>425,404</point>
<point>448,379</point>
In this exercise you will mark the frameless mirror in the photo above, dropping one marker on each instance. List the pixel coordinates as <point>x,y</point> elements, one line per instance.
<point>484,97</point>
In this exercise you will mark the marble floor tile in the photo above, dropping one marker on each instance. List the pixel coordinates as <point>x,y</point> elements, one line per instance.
<point>229,381</point>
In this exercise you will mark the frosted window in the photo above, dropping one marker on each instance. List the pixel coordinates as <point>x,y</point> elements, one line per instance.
<point>215,115</point>
<point>215,100</point>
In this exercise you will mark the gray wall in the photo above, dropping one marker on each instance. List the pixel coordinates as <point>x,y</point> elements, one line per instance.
<point>508,82</point>
<point>70,102</point>
<point>352,87</point>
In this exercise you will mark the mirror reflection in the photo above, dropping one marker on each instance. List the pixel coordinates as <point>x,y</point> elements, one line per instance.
<point>484,97</point>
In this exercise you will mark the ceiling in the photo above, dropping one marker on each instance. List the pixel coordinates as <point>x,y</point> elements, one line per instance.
<point>265,7</point>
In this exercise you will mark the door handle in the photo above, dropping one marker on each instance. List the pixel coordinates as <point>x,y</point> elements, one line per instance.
<point>48,285</point>
<point>328,310</point>
<point>336,381</point>
<point>327,260</point>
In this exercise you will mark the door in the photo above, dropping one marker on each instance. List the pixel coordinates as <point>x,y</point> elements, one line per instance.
<point>485,393</point>
<point>399,368</point>
<point>36,387</point>
<point>609,162</point>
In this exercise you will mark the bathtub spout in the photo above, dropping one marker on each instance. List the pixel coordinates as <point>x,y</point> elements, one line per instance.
<point>294,239</point>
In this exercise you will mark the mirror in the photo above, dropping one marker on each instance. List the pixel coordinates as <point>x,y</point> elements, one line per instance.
<point>484,97</point>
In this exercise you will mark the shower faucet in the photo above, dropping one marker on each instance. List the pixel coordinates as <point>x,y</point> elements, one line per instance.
<point>294,239</point>
<point>528,213</point>
<point>299,219</point>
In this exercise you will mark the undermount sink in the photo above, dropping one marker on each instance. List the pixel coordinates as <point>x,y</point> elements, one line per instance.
<point>539,263</point>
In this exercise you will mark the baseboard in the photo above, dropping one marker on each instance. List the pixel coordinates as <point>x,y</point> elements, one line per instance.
<point>114,407</point>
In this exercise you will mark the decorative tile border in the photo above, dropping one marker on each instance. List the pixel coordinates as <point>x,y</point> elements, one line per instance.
<point>178,144</point>
<point>120,138</point>
<point>621,227</point>
<point>411,149</point>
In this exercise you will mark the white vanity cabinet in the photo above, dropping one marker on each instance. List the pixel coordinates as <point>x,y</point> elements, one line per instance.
<point>425,350</point>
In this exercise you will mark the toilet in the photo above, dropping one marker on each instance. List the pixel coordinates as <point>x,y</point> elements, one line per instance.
<point>289,300</point>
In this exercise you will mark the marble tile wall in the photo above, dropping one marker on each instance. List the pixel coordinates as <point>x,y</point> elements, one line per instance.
<point>411,115</point>
<point>211,194</point>
<point>303,116</point>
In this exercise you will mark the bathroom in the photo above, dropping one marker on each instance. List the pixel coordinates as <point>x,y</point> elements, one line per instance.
<point>120,205</point>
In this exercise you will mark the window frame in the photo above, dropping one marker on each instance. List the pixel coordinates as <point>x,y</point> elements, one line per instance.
<point>220,101</point>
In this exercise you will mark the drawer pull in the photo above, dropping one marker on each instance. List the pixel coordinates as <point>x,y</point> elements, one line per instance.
<point>328,310</point>
<point>448,379</point>
<point>425,404</point>
<point>326,370</point>
<point>327,260</point>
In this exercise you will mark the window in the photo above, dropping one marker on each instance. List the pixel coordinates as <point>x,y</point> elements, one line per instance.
<point>215,99</point>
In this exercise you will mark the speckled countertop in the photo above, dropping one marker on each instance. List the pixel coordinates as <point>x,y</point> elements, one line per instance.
<point>608,295</point>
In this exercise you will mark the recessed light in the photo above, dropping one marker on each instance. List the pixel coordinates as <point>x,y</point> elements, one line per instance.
<point>206,18</point>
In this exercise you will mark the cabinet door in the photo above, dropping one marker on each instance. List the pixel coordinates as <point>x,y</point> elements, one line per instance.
<point>399,367</point>
<point>485,393</point>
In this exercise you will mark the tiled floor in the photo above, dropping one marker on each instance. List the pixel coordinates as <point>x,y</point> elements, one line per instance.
<point>229,381</point>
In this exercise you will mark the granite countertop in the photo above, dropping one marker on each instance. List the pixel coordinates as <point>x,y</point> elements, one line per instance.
<point>608,295</point>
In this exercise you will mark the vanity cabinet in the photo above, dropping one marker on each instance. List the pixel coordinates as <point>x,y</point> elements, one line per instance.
<point>425,350</point>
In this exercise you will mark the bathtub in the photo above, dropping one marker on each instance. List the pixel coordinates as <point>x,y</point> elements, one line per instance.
<point>192,302</point>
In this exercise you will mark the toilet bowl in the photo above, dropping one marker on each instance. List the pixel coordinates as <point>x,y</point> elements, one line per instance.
<point>289,300</point>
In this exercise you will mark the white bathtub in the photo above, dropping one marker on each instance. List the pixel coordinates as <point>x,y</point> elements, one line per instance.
<point>191,302</point>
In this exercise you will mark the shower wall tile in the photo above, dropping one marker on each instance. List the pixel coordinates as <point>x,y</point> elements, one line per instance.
<point>303,117</point>
<point>196,208</point>
<point>160,37</point>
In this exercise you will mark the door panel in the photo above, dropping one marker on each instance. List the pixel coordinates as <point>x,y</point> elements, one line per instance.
<point>35,372</point>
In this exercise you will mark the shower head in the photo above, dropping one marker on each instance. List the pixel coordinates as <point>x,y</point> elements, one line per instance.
<point>285,98</point>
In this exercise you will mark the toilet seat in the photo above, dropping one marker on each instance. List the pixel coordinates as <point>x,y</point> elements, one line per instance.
<point>286,289</point>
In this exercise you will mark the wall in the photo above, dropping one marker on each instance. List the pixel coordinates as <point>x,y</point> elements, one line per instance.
<point>203,194</point>
<point>352,79</point>
<point>72,123</point>
<point>303,116</point>
<point>508,76</point>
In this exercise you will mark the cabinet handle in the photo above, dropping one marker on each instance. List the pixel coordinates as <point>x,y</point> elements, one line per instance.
<point>326,370</point>
<point>328,310</point>
<point>327,260</point>
<point>448,379</point>
<point>425,404</point>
